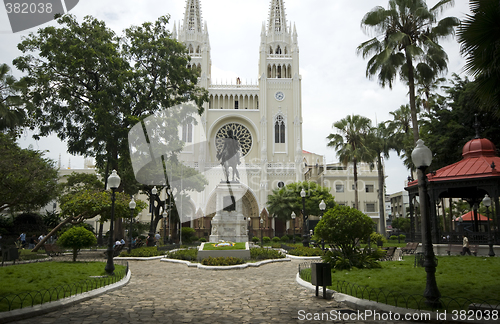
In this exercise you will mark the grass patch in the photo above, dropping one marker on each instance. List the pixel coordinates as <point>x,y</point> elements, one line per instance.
<point>458,277</point>
<point>36,283</point>
<point>235,246</point>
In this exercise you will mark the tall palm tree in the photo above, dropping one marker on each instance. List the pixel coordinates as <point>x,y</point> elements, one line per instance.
<point>400,125</point>
<point>407,42</point>
<point>350,144</point>
<point>479,37</point>
<point>281,203</point>
<point>382,140</point>
<point>11,112</point>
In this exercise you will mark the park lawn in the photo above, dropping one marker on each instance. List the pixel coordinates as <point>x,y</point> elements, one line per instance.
<point>236,246</point>
<point>456,277</point>
<point>57,277</point>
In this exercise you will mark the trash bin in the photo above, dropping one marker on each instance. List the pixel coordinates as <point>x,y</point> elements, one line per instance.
<point>321,275</point>
<point>419,259</point>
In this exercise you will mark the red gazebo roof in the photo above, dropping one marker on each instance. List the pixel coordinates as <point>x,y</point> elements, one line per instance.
<point>469,217</point>
<point>479,161</point>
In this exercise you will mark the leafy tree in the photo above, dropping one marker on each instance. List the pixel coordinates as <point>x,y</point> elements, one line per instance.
<point>402,224</point>
<point>12,114</point>
<point>28,181</point>
<point>343,228</point>
<point>451,123</point>
<point>29,223</point>
<point>407,42</point>
<point>351,144</point>
<point>77,238</point>
<point>290,200</point>
<point>90,86</point>
<point>479,37</point>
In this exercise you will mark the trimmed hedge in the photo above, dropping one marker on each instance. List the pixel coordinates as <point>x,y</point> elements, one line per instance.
<point>147,251</point>
<point>222,261</point>
<point>265,254</point>
<point>188,254</point>
<point>306,251</point>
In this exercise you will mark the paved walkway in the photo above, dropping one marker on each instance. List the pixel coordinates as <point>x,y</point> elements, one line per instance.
<point>163,292</point>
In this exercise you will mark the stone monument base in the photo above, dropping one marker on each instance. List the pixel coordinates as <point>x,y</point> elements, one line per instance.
<point>229,224</point>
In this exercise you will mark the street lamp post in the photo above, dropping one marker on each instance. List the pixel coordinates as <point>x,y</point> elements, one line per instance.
<point>261,230</point>
<point>114,183</point>
<point>322,207</point>
<point>293,218</point>
<point>169,191</point>
<point>487,204</point>
<point>305,234</point>
<point>131,205</point>
<point>164,217</point>
<point>151,238</point>
<point>422,158</point>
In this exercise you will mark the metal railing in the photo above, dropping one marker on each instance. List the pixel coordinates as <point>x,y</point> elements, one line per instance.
<point>31,298</point>
<point>404,300</point>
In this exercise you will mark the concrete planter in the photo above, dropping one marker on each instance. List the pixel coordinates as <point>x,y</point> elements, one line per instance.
<point>242,254</point>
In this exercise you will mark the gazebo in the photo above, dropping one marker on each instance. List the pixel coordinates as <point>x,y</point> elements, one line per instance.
<point>470,179</point>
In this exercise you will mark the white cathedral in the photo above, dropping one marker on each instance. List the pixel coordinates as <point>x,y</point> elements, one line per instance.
<point>265,118</point>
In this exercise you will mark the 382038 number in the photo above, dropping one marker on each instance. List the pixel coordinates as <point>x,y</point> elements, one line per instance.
<point>28,8</point>
<point>471,315</point>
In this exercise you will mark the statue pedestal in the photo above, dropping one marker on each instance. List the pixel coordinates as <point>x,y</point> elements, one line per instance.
<point>229,224</point>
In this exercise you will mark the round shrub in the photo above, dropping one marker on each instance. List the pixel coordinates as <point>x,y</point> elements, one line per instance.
<point>285,238</point>
<point>276,239</point>
<point>77,238</point>
<point>255,239</point>
<point>393,237</point>
<point>402,237</point>
<point>202,239</point>
<point>266,239</point>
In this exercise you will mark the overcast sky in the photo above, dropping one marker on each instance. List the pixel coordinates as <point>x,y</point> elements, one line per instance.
<point>333,76</point>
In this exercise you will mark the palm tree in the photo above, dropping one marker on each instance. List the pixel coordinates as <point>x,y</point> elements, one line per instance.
<point>402,132</point>
<point>407,42</point>
<point>11,113</point>
<point>350,144</point>
<point>382,140</point>
<point>479,37</point>
<point>281,203</point>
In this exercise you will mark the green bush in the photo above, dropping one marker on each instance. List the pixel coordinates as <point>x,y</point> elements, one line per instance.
<point>202,239</point>
<point>266,239</point>
<point>306,251</point>
<point>285,238</point>
<point>188,254</point>
<point>402,237</point>
<point>77,238</point>
<point>146,251</point>
<point>255,239</point>
<point>375,238</point>
<point>265,254</point>
<point>187,234</point>
<point>222,261</point>
<point>393,237</point>
<point>276,239</point>
<point>363,259</point>
<point>276,245</point>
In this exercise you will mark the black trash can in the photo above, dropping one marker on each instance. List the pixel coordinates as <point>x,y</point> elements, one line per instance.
<point>321,275</point>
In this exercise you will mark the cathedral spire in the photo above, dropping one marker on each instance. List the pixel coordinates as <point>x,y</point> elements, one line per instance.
<point>277,17</point>
<point>192,16</point>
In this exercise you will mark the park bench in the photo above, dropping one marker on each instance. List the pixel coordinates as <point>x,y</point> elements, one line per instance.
<point>410,248</point>
<point>457,248</point>
<point>10,254</point>
<point>52,249</point>
<point>390,254</point>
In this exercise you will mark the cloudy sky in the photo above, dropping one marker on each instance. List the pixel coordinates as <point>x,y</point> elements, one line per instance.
<point>333,76</point>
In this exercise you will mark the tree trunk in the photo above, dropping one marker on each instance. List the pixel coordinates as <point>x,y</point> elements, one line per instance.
<point>381,205</point>
<point>75,253</point>
<point>66,221</point>
<point>356,184</point>
<point>413,107</point>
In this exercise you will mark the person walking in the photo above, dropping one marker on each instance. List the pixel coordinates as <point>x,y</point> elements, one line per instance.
<point>465,245</point>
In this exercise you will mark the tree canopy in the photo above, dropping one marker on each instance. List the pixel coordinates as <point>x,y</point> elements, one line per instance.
<point>28,181</point>
<point>407,43</point>
<point>282,202</point>
<point>12,113</point>
<point>90,86</point>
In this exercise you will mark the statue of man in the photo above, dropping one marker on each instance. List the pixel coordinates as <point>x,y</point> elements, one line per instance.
<point>229,155</point>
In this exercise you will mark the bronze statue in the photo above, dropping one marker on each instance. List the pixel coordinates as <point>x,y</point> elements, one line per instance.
<point>229,155</point>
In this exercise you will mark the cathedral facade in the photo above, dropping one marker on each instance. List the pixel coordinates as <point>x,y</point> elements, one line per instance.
<point>266,118</point>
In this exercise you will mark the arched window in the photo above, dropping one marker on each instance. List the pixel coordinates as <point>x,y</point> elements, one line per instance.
<point>187,133</point>
<point>279,130</point>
